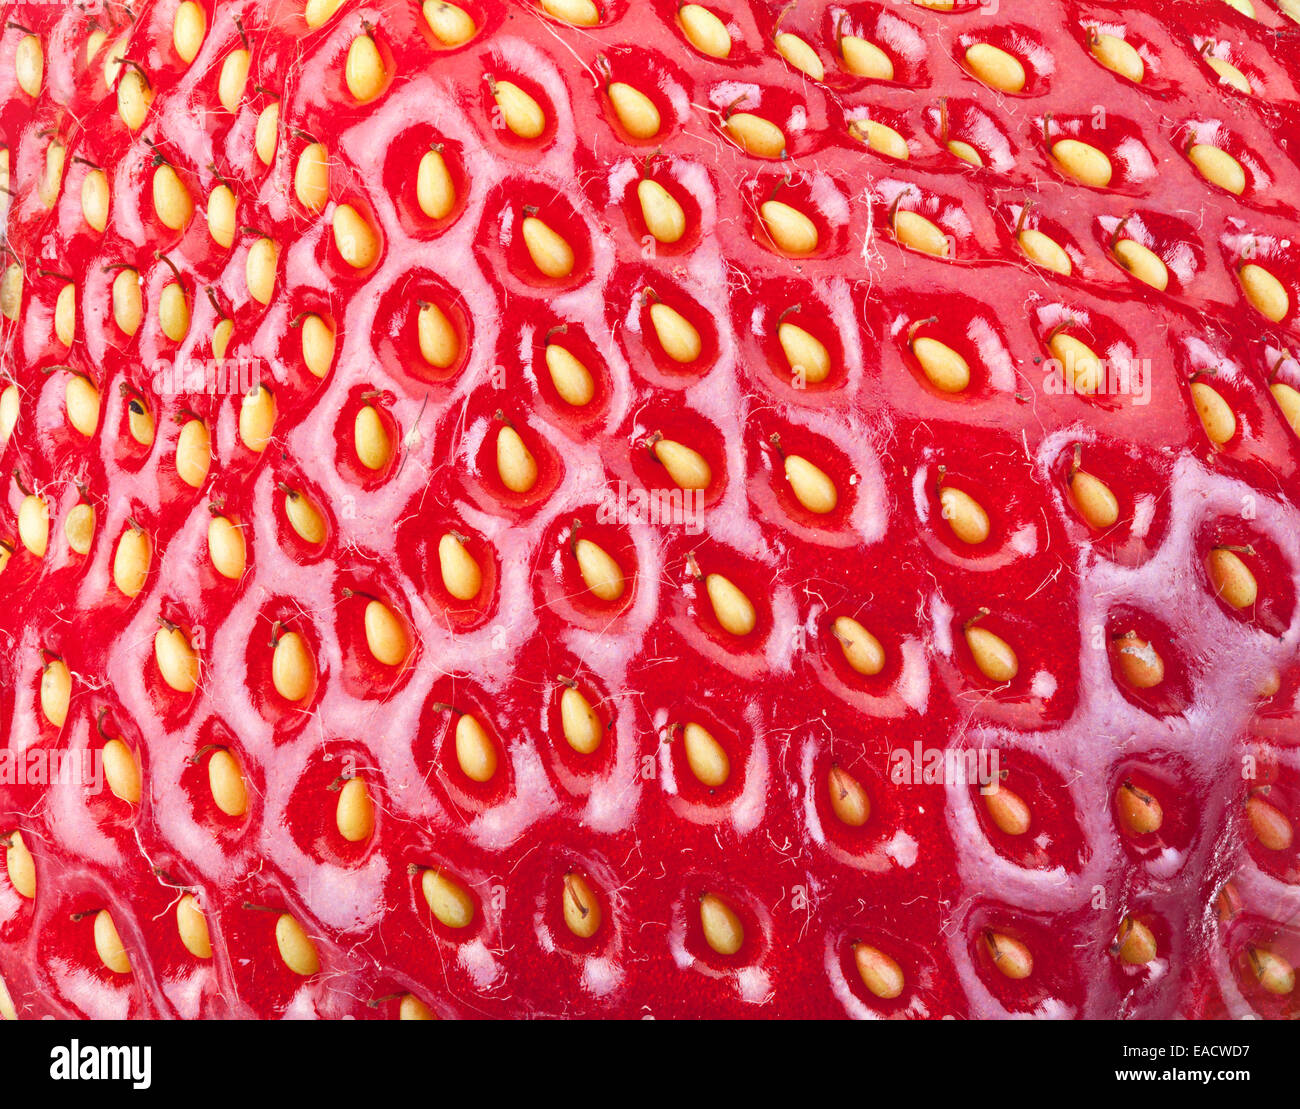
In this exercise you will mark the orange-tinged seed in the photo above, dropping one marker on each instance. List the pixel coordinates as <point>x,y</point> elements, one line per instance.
<point>1139,661</point>
<point>1232,578</point>
<point>1135,943</point>
<point>880,974</point>
<point>412,1008</point>
<point>582,911</point>
<point>1139,811</point>
<point>849,799</point>
<point>1008,811</point>
<point>705,756</point>
<point>1273,972</point>
<point>723,930</point>
<point>1011,957</point>
<point>1269,824</point>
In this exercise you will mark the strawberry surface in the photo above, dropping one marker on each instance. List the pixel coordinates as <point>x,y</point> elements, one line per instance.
<point>334,599</point>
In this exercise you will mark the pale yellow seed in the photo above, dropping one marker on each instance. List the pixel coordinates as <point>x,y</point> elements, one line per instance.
<point>1044,250</point>
<point>1118,56</point>
<point>226,782</point>
<point>95,200</point>
<point>731,607</point>
<point>1144,264</point>
<point>476,754</point>
<point>81,403</point>
<point>1229,74</point>
<point>178,663</point>
<point>572,380</point>
<point>29,64</point>
<point>128,302</point>
<point>171,199</point>
<point>1265,292</point>
<point>866,59</point>
<point>451,25</point>
<point>259,269</point>
<point>995,67</point>
<point>992,654</point>
<point>385,635</point>
<point>516,465</point>
<point>193,927</point>
<point>79,528</point>
<point>600,573</point>
<point>549,250</point>
<point>665,219</point>
<point>879,973</point>
<point>257,418</point>
<point>705,756</point>
<point>226,548</point>
<point>317,345</point>
<point>222,216</point>
<point>296,948</point>
<point>862,650</point>
<point>704,30</point>
<point>173,312</point>
<point>10,403</point>
<point>578,721</point>
<point>221,335</point>
<point>131,561</point>
<point>266,136</point>
<point>412,1008</point>
<point>965,515</point>
<point>234,75</point>
<point>94,41</point>
<point>636,111</point>
<point>52,179</point>
<point>108,944</point>
<point>140,422</point>
<point>461,575</point>
<point>1246,7</point>
<point>723,930</point>
<point>756,135</point>
<point>34,524</point>
<point>811,486</point>
<point>1218,167</point>
<point>581,13</point>
<point>65,314</point>
<point>686,466</point>
<point>189,25</point>
<point>434,189</point>
<point>946,370</point>
<point>439,343</point>
<point>882,138</point>
<point>193,453</point>
<point>449,902</point>
<point>122,772</point>
<point>293,669</point>
<point>56,692</point>
<point>11,291</point>
<point>1084,162</point>
<point>133,99</point>
<point>806,354</point>
<point>1008,811</point>
<point>800,55</point>
<point>354,816</point>
<point>113,60</point>
<point>311,177</point>
<point>1094,500</point>
<point>1217,417</point>
<point>318,12</point>
<point>364,69</point>
<point>677,335</point>
<point>1269,824</point>
<point>790,229</point>
<point>1079,364</point>
<point>916,231</point>
<point>356,241</point>
<point>1232,578</point>
<point>370,438</point>
<point>582,914</point>
<point>304,518</point>
<point>849,800</point>
<point>1288,400</point>
<point>519,111</point>
<point>1274,973</point>
<point>20,866</point>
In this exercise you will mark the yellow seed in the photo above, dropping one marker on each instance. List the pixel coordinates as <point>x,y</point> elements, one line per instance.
<point>173,312</point>
<point>439,343</point>
<point>131,561</point>
<point>515,463</point>
<point>128,303</point>
<point>1274,973</point>
<point>687,467</point>
<point>1216,415</point>
<point>267,134</point>
<point>706,756</point>
<point>1094,500</point>
<point>549,250</point>
<point>451,25</point>
<point>293,669</point>
<point>1134,943</point>
<point>1269,824</point>
<point>582,912</point>
<point>370,437</point>
<point>1084,162</point>
<point>1218,167</point>
<point>1246,7</point>
<point>178,663</point>
<point>1288,400</point>
<point>965,515</point>
<point>862,650</point>
<point>811,485</point>
<point>318,12</point>
<point>222,209</point>
<point>11,291</point>
<point>880,974</point>
<point>94,41</point>
<point>113,59</point>
<point>849,800</point>
<point>1118,56</point>
<point>226,548</point>
<point>356,241</point>
<point>914,230</point>
<point>995,67</point>
<point>636,111</point>
<point>790,229</point>
<point>1229,74</point>
<point>1146,265</point>
<point>296,948</point>
<point>601,574</point>
<point>364,70</point>
<point>1139,812</point>
<point>189,25</point>
<point>317,345</point>
<point>354,816</point>
<point>756,135</point>
<point>221,338</point>
<point>731,607</point>
<point>56,692</point>
<point>171,199</point>
<point>385,635</point>
<point>226,782</point>
<point>65,314</point>
<point>193,927</point>
<point>1265,292</point>
<point>10,402</point>
<point>133,99</point>
<point>992,654</point>
<point>581,13</point>
<point>257,418</point>
<point>1079,364</point>
<point>1232,578</point>
<point>412,1008</point>
<point>1008,811</point>
<point>723,930</point>
<point>34,524</point>
<point>704,30</point>
<point>800,55</point>
<point>806,354</point>
<point>449,902</point>
<point>572,380</point>
<point>581,726</point>
<point>475,752</point>
<point>234,74</point>
<point>519,111</point>
<point>108,944</point>
<point>882,138</point>
<point>946,370</point>
<point>122,771</point>
<point>866,59</point>
<point>434,190</point>
<point>259,269</point>
<point>1139,661</point>
<point>94,199</point>
<point>79,528</point>
<point>665,219</point>
<point>20,866</point>
<point>1010,956</point>
<point>1044,250</point>
<point>193,453</point>
<point>29,64</point>
<point>52,180</point>
<point>304,517</point>
<point>311,177</point>
<point>140,422</point>
<point>460,572</point>
<point>677,335</point>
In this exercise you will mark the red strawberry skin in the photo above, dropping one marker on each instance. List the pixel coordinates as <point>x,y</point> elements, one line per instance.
<point>930,879</point>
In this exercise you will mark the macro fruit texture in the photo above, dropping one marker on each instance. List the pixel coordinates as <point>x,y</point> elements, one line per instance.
<point>410,699</point>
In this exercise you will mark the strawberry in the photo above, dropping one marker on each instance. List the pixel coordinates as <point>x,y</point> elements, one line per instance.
<point>604,509</point>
